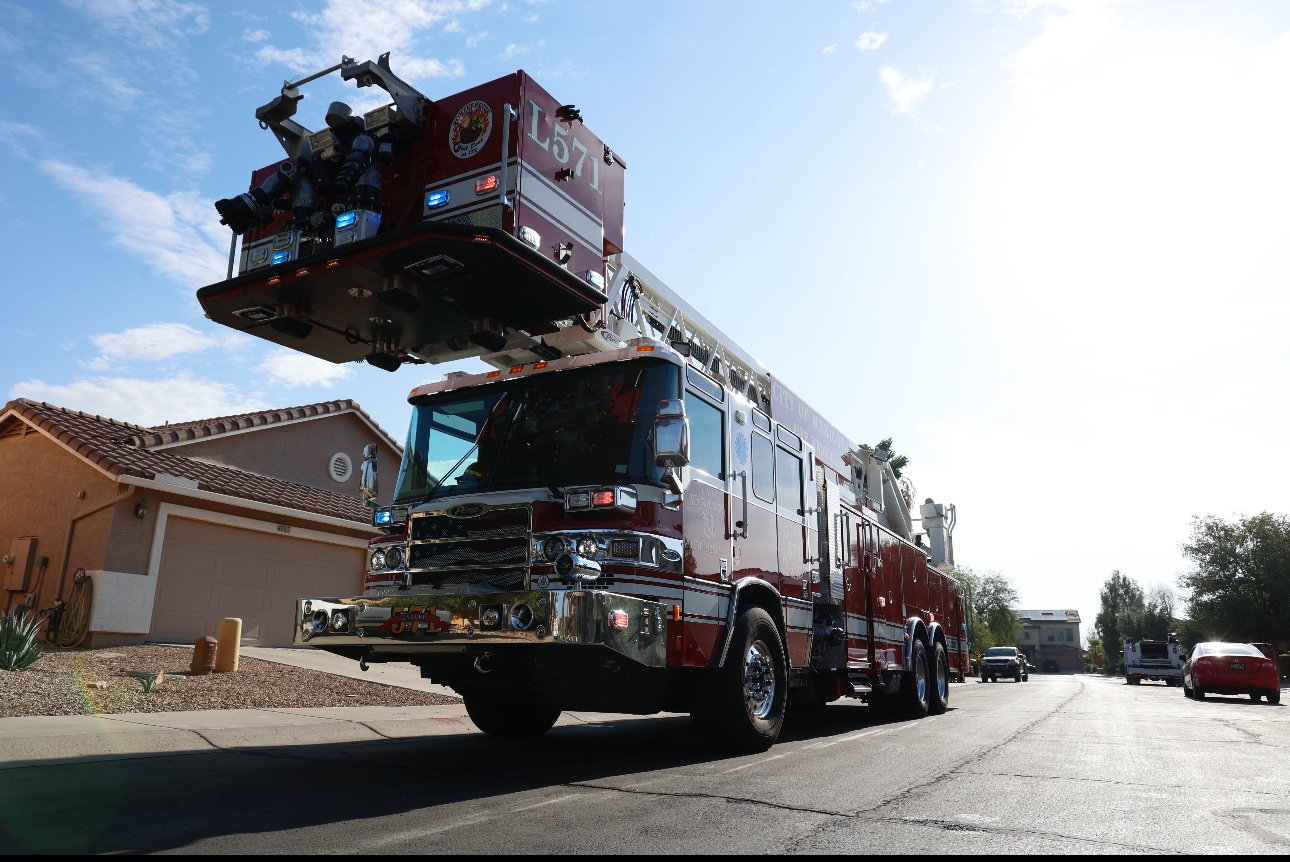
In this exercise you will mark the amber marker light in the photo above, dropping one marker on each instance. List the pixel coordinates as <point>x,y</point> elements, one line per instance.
<point>493,374</point>
<point>302,272</point>
<point>516,369</point>
<point>644,348</point>
<point>332,264</point>
<point>486,184</point>
<point>541,364</point>
<point>676,612</point>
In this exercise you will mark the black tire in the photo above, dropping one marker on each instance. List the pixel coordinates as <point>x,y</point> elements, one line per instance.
<point>1254,697</point>
<point>1274,697</point>
<point>1171,682</point>
<point>741,708</point>
<point>914,687</point>
<point>1017,677</point>
<point>515,719</point>
<point>938,690</point>
<point>1198,693</point>
<point>1186,689</point>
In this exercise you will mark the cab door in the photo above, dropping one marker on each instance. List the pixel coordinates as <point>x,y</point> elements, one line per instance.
<point>705,520</point>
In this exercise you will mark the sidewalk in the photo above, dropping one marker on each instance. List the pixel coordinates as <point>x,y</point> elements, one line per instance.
<point>40,740</point>
<point>400,674</point>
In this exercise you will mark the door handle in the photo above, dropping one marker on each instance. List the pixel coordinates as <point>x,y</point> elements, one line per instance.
<point>741,527</point>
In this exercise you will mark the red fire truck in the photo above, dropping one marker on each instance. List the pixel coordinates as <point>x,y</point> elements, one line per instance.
<point>628,513</point>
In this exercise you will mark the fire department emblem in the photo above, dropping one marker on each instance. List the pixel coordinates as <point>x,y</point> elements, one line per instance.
<point>467,510</point>
<point>470,128</point>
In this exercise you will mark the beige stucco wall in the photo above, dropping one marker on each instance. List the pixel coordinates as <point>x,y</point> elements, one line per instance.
<point>42,487</point>
<point>301,452</point>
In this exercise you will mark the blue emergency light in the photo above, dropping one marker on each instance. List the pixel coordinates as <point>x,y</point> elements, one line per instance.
<point>383,518</point>
<point>281,257</point>
<point>434,200</point>
<point>346,219</point>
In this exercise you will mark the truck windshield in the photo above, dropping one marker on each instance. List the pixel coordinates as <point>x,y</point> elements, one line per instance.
<point>997,651</point>
<point>588,426</point>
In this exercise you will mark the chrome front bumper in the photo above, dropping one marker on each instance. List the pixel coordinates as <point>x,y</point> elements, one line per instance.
<point>435,622</point>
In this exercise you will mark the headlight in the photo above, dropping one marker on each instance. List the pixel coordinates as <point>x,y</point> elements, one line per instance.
<point>394,558</point>
<point>587,547</point>
<point>554,547</point>
<point>339,621</point>
<point>378,559</point>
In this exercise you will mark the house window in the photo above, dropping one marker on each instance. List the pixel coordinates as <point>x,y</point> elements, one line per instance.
<point>1025,635</point>
<point>1070,635</point>
<point>1052,635</point>
<point>340,467</point>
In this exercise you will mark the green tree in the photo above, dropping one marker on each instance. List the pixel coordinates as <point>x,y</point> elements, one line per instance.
<point>990,602</point>
<point>897,462</point>
<point>1154,619</point>
<point>1122,602</point>
<point>1094,653</point>
<point>1240,588</point>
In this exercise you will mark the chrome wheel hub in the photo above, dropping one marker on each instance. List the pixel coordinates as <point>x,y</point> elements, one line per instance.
<point>920,680</point>
<point>759,680</point>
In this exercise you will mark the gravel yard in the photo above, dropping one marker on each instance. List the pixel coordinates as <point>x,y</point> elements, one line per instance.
<point>89,682</point>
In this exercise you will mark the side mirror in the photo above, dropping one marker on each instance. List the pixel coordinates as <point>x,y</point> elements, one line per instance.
<point>367,477</point>
<point>671,440</point>
<point>671,434</point>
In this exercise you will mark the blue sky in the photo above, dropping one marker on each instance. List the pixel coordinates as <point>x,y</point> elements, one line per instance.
<point>1039,242</point>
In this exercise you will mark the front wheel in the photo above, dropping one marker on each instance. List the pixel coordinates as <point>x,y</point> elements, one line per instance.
<point>1198,693</point>
<point>497,716</point>
<point>1274,697</point>
<point>743,707</point>
<point>939,690</point>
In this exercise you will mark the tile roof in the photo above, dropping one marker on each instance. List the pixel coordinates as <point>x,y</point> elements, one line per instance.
<point>112,445</point>
<point>180,432</point>
<point>1047,616</point>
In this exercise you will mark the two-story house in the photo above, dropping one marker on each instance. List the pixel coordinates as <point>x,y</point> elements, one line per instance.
<point>1051,636</point>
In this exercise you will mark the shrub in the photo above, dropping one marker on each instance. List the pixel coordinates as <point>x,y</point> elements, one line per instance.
<point>19,648</point>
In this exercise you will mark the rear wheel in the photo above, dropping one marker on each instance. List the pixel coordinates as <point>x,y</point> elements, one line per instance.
<point>742,708</point>
<point>1254,696</point>
<point>914,688</point>
<point>1017,677</point>
<point>939,690</point>
<point>1274,697</point>
<point>498,716</point>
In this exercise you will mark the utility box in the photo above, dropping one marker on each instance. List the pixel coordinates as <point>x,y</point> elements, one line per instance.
<point>17,574</point>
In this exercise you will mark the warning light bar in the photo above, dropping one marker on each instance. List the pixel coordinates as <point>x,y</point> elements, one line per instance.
<point>487,184</point>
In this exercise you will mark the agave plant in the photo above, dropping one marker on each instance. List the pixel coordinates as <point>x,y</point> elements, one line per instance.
<point>19,648</point>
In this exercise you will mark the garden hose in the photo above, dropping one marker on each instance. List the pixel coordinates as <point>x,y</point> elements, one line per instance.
<point>74,624</point>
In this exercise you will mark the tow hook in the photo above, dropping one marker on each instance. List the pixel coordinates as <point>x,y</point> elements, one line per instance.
<point>481,661</point>
<point>362,663</point>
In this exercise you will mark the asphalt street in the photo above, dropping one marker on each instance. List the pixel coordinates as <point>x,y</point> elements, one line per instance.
<point>1061,764</point>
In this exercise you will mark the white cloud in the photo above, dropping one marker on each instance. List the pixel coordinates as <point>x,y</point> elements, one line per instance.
<point>156,24</point>
<point>512,50</point>
<point>870,41</point>
<point>829,49</point>
<point>291,369</point>
<point>453,26</point>
<point>530,19</point>
<point>352,29</point>
<point>255,36</point>
<point>903,91</point>
<point>1073,34</point>
<point>473,41</point>
<point>863,6</point>
<point>152,343</point>
<point>178,235</point>
<point>179,398</point>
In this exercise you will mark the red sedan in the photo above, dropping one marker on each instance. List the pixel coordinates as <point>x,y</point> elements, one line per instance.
<point>1223,668</point>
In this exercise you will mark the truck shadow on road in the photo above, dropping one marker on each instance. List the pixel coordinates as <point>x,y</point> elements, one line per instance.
<point>253,795</point>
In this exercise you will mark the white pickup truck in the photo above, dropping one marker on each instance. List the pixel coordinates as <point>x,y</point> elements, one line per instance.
<point>1156,660</point>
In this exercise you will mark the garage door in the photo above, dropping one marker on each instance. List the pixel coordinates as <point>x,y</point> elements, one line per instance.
<point>212,571</point>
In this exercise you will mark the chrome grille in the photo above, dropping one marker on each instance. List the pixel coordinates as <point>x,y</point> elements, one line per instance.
<point>487,551</point>
<point>625,549</point>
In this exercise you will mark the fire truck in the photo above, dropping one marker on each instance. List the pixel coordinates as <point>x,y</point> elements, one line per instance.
<point>626,512</point>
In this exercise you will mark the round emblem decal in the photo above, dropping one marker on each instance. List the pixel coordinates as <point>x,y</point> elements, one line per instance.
<point>470,129</point>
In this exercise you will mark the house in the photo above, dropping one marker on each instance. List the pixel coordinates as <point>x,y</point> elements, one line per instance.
<point>181,525</point>
<point>1052,636</point>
